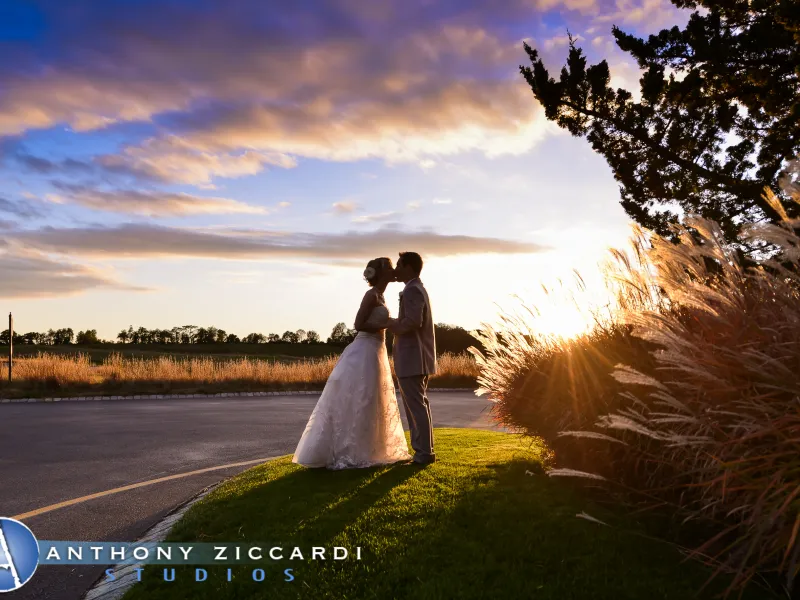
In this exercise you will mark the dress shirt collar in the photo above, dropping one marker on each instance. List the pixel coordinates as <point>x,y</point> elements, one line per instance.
<point>410,281</point>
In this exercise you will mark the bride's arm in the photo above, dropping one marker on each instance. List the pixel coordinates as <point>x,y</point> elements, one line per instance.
<point>369,302</point>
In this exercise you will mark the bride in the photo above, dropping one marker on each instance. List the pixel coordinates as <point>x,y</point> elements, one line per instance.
<point>356,422</point>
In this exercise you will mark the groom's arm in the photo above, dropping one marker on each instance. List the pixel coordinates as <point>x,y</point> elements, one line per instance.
<point>413,312</point>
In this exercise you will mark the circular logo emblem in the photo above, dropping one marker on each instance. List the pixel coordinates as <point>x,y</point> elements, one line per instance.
<point>19,554</point>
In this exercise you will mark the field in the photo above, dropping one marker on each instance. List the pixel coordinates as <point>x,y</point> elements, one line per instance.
<point>62,374</point>
<point>98,352</point>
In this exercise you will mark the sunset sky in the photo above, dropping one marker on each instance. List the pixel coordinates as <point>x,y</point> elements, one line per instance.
<point>236,163</point>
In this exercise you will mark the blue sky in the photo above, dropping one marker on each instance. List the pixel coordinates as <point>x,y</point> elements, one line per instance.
<point>237,163</point>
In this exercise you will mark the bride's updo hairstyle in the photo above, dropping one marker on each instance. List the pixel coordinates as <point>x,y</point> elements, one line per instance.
<point>376,268</point>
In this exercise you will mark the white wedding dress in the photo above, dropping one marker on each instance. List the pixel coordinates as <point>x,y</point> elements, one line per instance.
<point>356,422</point>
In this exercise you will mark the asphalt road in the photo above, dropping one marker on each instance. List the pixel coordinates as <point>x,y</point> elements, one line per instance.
<point>55,452</point>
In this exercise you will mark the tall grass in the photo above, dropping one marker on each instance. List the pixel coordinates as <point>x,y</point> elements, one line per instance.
<point>689,397</point>
<point>65,373</point>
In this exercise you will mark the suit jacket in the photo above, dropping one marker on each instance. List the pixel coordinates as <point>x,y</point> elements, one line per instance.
<point>414,349</point>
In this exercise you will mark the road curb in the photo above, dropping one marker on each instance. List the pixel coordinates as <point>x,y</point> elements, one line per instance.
<point>126,575</point>
<point>188,396</point>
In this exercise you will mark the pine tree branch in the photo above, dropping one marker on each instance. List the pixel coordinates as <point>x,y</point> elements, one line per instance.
<point>749,189</point>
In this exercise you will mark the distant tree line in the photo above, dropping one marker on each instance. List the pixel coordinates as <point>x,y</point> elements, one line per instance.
<point>52,337</point>
<point>192,334</point>
<point>449,338</point>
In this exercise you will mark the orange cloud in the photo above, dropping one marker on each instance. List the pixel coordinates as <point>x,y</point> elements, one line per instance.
<point>152,203</point>
<point>29,274</point>
<point>140,240</point>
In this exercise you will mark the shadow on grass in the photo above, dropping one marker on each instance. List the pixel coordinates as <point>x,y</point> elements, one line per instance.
<point>479,523</point>
<point>298,505</point>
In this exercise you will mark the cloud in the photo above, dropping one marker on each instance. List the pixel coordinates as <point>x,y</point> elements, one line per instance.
<point>140,240</point>
<point>345,207</point>
<point>376,218</point>
<point>442,201</point>
<point>230,95</point>
<point>227,95</point>
<point>118,62</point>
<point>152,203</point>
<point>27,274</point>
<point>560,41</point>
<point>494,117</point>
<point>26,210</point>
<point>652,13</point>
<point>172,160</point>
<point>45,166</point>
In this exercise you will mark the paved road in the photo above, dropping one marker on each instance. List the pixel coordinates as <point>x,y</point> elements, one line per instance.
<point>54,452</point>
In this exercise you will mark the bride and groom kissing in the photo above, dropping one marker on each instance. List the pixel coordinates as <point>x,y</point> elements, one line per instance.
<point>356,422</point>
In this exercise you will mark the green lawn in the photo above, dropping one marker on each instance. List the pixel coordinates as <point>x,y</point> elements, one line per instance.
<point>477,524</point>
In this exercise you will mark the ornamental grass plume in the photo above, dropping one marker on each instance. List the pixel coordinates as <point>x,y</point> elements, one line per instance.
<point>718,418</point>
<point>689,396</point>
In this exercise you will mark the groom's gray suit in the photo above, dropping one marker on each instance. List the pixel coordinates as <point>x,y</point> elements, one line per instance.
<point>414,354</point>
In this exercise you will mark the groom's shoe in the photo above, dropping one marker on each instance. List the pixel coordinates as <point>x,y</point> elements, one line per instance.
<point>424,459</point>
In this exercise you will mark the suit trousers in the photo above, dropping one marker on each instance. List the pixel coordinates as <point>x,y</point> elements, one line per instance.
<point>418,412</point>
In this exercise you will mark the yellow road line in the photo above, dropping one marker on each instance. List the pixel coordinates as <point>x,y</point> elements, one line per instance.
<point>133,486</point>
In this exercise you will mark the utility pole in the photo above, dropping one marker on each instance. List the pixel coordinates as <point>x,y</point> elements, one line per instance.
<point>10,344</point>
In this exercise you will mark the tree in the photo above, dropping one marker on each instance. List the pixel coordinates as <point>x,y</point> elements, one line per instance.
<point>301,335</point>
<point>290,337</point>
<point>209,335</point>
<point>718,118</point>
<point>87,337</point>
<point>186,333</point>
<point>254,338</point>
<point>18,339</point>
<point>341,334</point>
<point>273,338</point>
<point>232,339</point>
<point>62,336</point>
<point>165,336</point>
<point>33,337</point>
<point>142,336</point>
<point>312,337</point>
<point>451,338</point>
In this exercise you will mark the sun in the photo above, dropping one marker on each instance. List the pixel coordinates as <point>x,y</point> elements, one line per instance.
<point>562,320</point>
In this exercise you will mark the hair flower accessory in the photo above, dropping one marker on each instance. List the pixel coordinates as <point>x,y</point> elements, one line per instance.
<point>369,273</point>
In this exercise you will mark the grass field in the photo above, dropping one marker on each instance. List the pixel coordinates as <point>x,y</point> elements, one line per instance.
<point>76,374</point>
<point>99,352</point>
<point>482,522</point>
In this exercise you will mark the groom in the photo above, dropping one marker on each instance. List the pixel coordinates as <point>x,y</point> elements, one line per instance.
<point>415,354</point>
